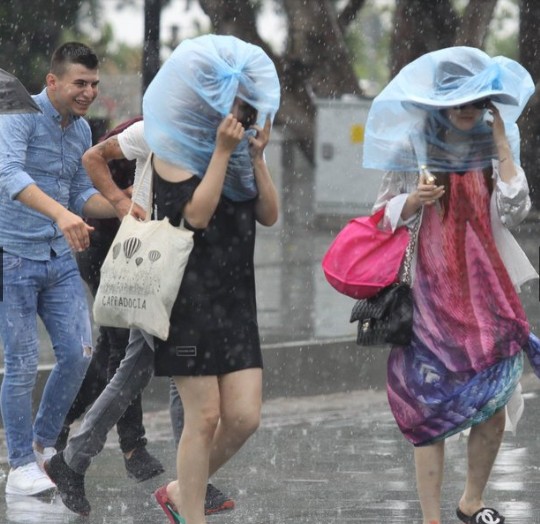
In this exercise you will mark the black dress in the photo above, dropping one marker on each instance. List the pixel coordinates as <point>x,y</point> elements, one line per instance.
<point>214,319</point>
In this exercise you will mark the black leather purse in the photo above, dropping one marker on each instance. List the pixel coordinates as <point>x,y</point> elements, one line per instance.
<point>387,317</point>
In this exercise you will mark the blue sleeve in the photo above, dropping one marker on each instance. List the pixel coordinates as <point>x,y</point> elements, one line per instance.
<point>15,134</point>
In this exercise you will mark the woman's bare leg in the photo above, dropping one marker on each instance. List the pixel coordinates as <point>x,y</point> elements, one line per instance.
<point>241,401</point>
<point>429,462</point>
<point>484,443</point>
<point>201,401</point>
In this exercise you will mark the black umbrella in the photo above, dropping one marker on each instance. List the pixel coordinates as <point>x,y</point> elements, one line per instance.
<point>14,98</point>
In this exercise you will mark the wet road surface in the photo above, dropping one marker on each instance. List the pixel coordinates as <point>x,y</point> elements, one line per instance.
<point>315,460</point>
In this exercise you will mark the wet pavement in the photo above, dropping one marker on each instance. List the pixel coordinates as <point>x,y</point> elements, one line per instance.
<point>315,460</point>
<point>318,458</point>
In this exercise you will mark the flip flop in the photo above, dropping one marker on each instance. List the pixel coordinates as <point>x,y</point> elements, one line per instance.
<point>482,516</point>
<point>167,506</point>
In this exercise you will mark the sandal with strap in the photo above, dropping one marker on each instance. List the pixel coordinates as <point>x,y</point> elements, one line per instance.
<point>482,516</point>
<point>167,506</point>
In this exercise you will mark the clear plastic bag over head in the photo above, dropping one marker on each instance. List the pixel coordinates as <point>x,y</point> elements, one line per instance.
<point>407,124</point>
<point>192,93</point>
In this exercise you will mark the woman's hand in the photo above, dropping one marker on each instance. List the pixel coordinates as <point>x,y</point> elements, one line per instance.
<point>229,134</point>
<point>427,191</point>
<point>497,125</point>
<point>258,142</point>
<point>507,168</point>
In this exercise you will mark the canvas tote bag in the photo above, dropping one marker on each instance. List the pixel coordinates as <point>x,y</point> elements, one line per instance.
<point>142,272</point>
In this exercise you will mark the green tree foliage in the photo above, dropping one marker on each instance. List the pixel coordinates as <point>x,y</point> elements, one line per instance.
<point>31,30</point>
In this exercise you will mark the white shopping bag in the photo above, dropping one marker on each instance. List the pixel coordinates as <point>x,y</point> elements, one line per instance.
<point>142,273</point>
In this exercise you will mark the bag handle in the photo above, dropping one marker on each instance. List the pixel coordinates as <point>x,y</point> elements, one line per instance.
<point>406,276</point>
<point>376,217</point>
<point>147,169</point>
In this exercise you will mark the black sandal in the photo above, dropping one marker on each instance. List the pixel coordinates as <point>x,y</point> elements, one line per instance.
<point>482,516</point>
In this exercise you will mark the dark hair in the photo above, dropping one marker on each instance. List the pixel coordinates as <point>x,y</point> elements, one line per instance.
<point>72,53</point>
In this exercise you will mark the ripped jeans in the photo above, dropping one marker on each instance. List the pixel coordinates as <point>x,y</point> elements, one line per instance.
<point>53,290</point>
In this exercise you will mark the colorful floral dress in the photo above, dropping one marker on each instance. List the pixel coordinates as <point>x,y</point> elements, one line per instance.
<point>465,359</point>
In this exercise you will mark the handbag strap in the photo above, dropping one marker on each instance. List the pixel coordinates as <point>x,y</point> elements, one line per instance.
<point>409,252</point>
<point>406,275</point>
<point>146,171</point>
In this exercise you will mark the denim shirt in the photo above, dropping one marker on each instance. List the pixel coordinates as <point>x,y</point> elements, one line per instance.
<point>35,149</point>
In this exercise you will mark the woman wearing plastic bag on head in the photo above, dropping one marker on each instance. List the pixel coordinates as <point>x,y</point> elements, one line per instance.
<point>208,115</point>
<point>454,112</point>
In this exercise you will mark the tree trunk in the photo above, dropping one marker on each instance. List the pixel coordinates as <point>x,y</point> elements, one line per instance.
<point>475,23</point>
<point>529,46</point>
<point>349,12</point>
<point>316,43</point>
<point>420,26</point>
<point>234,17</point>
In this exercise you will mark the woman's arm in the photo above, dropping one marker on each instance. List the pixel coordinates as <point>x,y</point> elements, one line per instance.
<point>507,170</point>
<point>403,194</point>
<point>511,191</point>
<point>203,203</point>
<point>266,207</point>
<point>511,198</point>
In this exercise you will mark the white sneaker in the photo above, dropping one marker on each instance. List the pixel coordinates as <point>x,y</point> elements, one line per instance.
<point>47,454</point>
<point>28,480</point>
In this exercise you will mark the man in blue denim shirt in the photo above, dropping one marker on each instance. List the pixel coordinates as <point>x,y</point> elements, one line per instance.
<point>44,191</point>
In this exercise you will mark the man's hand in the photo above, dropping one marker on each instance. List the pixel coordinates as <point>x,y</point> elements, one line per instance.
<point>75,229</point>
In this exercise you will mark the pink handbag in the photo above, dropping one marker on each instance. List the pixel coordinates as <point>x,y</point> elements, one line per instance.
<point>363,259</point>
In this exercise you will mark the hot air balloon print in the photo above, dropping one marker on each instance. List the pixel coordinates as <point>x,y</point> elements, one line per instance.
<point>116,250</point>
<point>131,246</point>
<point>154,255</point>
<point>138,261</point>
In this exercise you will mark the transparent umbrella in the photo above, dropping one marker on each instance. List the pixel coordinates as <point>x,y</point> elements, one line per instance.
<point>14,98</point>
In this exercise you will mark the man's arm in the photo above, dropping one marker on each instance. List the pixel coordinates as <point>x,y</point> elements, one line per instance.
<point>96,162</point>
<point>74,228</point>
<point>15,133</point>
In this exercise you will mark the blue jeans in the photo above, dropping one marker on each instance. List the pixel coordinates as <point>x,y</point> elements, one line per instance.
<point>53,290</point>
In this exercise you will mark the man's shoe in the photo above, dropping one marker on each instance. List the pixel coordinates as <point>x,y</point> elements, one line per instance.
<point>142,466</point>
<point>70,484</point>
<point>62,439</point>
<point>28,480</point>
<point>216,501</point>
